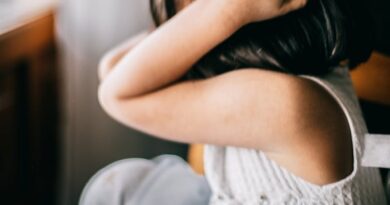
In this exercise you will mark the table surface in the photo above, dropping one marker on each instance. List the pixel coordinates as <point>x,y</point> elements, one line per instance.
<point>17,13</point>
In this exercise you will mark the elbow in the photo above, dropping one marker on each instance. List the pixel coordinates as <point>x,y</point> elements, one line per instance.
<point>103,68</point>
<point>107,100</point>
<point>117,107</point>
<point>110,103</point>
<point>120,109</point>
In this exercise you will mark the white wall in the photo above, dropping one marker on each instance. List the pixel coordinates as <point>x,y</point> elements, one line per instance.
<point>86,29</point>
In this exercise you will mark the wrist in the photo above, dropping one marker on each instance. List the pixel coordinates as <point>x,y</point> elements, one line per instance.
<point>231,11</point>
<point>236,12</point>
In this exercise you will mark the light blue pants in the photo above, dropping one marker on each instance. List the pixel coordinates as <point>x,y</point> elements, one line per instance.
<point>165,180</point>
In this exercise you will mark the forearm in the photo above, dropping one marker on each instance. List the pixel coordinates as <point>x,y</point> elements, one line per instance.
<point>111,58</point>
<point>171,50</point>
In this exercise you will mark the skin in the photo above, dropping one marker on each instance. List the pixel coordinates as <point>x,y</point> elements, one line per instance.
<point>292,120</point>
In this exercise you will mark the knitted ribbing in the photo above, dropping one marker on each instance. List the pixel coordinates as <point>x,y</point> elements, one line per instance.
<point>241,176</point>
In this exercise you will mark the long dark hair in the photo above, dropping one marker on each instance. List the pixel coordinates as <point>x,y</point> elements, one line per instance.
<point>311,41</point>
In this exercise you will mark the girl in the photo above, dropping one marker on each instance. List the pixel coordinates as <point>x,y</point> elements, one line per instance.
<point>265,84</point>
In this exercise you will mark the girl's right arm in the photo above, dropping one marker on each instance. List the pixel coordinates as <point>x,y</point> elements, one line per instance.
<point>140,91</point>
<point>111,58</point>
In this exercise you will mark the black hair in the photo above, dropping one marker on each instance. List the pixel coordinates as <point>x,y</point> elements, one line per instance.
<point>311,41</point>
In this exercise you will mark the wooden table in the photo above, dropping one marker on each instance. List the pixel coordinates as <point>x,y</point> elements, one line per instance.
<point>28,102</point>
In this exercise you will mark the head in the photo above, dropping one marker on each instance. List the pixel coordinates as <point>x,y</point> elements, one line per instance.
<point>311,41</point>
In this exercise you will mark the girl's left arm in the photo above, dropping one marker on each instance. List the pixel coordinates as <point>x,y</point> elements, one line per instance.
<point>138,91</point>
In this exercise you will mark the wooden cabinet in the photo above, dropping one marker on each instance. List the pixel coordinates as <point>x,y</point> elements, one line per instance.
<point>29,112</point>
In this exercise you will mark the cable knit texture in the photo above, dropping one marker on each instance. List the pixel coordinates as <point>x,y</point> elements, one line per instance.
<point>247,177</point>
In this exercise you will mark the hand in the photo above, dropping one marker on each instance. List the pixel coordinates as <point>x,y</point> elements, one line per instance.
<point>260,10</point>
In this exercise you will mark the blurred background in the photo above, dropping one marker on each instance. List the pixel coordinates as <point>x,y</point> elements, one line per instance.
<point>54,136</point>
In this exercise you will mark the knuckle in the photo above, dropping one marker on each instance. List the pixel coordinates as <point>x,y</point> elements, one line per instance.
<point>297,4</point>
<point>302,3</point>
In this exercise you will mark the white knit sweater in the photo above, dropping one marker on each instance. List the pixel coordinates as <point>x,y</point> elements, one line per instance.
<point>245,176</point>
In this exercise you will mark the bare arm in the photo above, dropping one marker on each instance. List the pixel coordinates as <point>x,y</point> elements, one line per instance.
<point>172,49</point>
<point>111,58</point>
<point>252,108</point>
<point>214,111</point>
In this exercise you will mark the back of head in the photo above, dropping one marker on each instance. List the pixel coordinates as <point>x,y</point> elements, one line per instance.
<point>311,41</point>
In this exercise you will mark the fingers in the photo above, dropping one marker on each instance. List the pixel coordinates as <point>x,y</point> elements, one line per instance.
<point>297,4</point>
<point>292,5</point>
<point>284,2</point>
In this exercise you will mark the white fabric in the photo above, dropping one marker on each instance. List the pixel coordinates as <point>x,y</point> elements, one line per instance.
<point>165,180</point>
<point>376,151</point>
<point>245,176</point>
